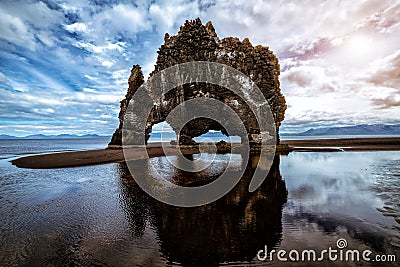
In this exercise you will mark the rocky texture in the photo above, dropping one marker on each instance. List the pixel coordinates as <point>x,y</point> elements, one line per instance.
<point>198,42</point>
<point>135,80</point>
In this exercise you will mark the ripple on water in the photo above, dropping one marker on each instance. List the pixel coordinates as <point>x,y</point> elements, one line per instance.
<point>387,187</point>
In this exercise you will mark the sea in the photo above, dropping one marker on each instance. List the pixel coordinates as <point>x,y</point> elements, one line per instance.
<point>98,215</point>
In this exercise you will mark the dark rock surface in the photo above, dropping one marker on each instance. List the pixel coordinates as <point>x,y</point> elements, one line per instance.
<point>198,42</point>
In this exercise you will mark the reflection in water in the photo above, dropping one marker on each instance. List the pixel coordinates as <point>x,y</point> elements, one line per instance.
<point>98,216</point>
<point>342,195</point>
<point>231,229</point>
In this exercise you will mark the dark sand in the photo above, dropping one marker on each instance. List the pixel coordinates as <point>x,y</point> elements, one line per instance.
<point>101,156</point>
<point>93,157</point>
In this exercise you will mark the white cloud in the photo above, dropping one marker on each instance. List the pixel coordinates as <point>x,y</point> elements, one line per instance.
<point>311,80</point>
<point>77,27</point>
<point>40,99</point>
<point>83,53</point>
<point>44,111</point>
<point>100,49</point>
<point>121,19</point>
<point>21,23</point>
<point>166,14</point>
<point>91,98</point>
<point>36,13</point>
<point>89,90</point>
<point>162,127</point>
<point>46,38</point>
<point>385,71</point>
<point>3,78</point>
<point>107,63</point>
<point>15,31</point>
<point>385,21</point>
<point>121,77</point>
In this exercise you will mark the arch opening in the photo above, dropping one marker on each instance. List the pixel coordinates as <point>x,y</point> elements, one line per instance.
<point>217,136</point>
<point>161,132</point>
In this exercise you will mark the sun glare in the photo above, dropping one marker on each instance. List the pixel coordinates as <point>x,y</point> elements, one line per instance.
<point>359,46</point>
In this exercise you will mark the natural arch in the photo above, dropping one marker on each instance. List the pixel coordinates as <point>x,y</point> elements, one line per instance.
<point>198,42</point>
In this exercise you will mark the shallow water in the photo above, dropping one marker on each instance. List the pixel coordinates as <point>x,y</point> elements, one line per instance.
<point>97,215</point>
<point>17,147</point>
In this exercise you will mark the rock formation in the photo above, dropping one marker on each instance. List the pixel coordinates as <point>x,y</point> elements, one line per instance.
<point>135,80</point>
<point>198,42</point>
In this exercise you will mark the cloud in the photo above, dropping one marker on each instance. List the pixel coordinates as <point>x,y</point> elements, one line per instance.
<point>77,27</point>
<point>309,81</point>
<point>299,76</point>
<point>91,98</point>
<point>74,58</point>
<point>385,21</point>
<point>3,78</point>
<point>168,15</point>
<point>162,127</point>
<point>309,49</point>
<point>44,111</point>
<point>386,72</point>
<point>118,46</point>
<point>387,102</point>
<point>119,20</point>
<point>28,24</point>
<point>14,31</point>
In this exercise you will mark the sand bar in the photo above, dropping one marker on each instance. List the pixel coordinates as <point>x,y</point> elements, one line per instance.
<point>94,157</point>
<point>101,156</point>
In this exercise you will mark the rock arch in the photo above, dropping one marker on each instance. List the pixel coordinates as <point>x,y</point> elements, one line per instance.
<point>198,42</point>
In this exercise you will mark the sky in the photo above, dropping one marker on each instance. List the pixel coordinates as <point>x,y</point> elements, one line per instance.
<point>64,65</point>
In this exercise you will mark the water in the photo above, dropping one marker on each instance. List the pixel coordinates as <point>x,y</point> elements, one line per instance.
<point>97,215</point>
<point>314,137</point>
<point>169,137</point>
<point>18,147</point>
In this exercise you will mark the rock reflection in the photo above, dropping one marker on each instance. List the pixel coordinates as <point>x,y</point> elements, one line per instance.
<point>230,229</point>
<point>136,202</point>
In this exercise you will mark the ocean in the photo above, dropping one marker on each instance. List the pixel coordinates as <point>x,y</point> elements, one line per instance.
<point>98,215</point>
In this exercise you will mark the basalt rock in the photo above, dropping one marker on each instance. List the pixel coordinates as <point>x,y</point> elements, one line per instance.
<point>135,80</point>
<point>198,42</point>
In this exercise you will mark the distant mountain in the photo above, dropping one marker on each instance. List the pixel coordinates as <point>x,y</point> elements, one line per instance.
<point>365,129</point>
<point>164,134</point>
<point>5,136</point>
<point>59,136</point>
<point>172,134</point>
<point>35,136</point>
<point>213,134</point>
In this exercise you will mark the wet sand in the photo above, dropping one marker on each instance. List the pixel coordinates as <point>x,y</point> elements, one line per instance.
<point>101,156</point>
<point>94,157</point>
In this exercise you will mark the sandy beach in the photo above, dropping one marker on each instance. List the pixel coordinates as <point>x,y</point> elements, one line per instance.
<point>101,156</point>
<point>94,157</point>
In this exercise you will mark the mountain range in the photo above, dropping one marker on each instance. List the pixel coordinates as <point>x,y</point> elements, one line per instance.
<point>364,129</point>
<point>59,136</point>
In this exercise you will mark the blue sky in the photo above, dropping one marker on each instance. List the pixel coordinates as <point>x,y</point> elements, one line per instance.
<point>64,65</point>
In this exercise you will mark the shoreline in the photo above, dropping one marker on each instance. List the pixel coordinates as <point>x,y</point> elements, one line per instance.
<point>345,144</point>
<point>114,155</point>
